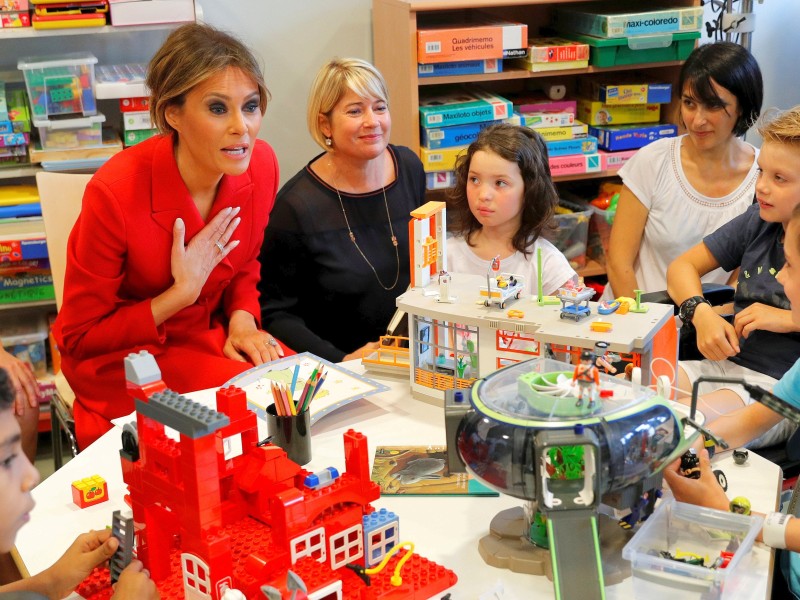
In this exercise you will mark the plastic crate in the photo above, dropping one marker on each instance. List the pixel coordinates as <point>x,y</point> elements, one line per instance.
<point>572,235</point>
<point>25,337</point>
<point>677,527</point>
<point>599,234</point>
<point>60,85</point>
<point>64,134</point>
<point>640,49</point>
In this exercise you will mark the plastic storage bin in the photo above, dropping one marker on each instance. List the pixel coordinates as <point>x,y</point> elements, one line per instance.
<point>684,528</point>
<point>24,337</point>
<point>60,85</point>
<point>599,234</point>
<point>640,49</point>
<point>572,235</point>
<point>64,134</point>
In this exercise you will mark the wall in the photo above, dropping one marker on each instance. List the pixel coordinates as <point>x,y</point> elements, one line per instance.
<point>775,45</point>
<point>294,38</point>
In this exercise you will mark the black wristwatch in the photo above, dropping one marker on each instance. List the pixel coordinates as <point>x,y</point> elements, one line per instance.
<point>688,306</point>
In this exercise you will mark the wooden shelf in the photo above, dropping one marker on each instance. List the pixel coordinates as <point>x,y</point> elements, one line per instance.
<point>512,74</point>
<point>591,269</point>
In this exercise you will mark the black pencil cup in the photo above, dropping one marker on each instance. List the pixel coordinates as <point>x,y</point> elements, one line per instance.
<point>292,433</point>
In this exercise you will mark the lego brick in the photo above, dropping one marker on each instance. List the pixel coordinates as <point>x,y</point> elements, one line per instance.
<point>90,490</point>
<point>141,368</point>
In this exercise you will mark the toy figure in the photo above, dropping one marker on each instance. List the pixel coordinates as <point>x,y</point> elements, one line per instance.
<point>740,505</point>
<point>602,360</point>
<point>740,456</point>
<point>444,287</point>
<point>587,376</point>
<point>690,464</point>
<point>641,510</point>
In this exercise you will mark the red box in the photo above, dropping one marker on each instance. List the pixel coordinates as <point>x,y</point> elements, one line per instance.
<point>134,104</point>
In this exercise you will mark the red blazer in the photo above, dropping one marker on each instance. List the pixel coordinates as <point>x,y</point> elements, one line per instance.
<point>118,259</point>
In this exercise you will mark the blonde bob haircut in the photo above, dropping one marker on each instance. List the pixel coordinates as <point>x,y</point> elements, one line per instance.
<point>333,81</point>
<point>191,54</point>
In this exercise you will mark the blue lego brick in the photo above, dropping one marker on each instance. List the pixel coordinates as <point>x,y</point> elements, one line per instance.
<point>141,368</point>
<point>386,522</point>
<point>321,479</point>
<point>186,416</point>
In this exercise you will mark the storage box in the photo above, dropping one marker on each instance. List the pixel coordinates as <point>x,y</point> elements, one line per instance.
<point>461,67</point>
<point>677,527</point>
<point>440,180</point>
<point>623,22</point>
<point>456,135</point>
<point>586,145</point>
<point>24,337</point>
<point>461,105</point>
<point>150,12</point>
<point>60,86</point>
<point>614,160</point>
<point>640,49</point>
<point>476,38</point>
<point>625,90</point>
<point>571,236</point>
<point>631,137</point>
<point>64,134</point>
<point>442,159</point>
<point>131,138</point>
<point>575,164</point>
<point>542,120</point>
<point>597,113</point>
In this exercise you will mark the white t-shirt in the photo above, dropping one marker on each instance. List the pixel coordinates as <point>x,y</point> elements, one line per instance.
<point>555,267</point>
<point>679,216</point>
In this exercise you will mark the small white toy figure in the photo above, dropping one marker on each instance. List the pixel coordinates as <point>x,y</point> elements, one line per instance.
<point>587,376</point>
<point>444,287</point>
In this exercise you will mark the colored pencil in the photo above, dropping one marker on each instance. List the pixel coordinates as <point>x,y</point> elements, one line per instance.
<point>276,399</point>
<point>294,377</point>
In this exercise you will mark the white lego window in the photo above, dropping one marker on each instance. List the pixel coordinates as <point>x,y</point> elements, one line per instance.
<point>380,540</point>
<point>232,446</point>
<point>346,546</point>
<point>196,578</point>
<point>332,591</point>
<point>309,544</point>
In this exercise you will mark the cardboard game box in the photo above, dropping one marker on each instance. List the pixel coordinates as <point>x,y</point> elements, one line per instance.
<point>476,38</point>
<point>461,105</point>
<point>631,137</point>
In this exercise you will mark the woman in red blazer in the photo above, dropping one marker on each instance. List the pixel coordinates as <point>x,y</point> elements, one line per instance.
<point>164,255</point>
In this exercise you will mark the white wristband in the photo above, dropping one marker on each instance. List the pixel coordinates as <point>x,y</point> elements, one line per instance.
<point>774,530</point>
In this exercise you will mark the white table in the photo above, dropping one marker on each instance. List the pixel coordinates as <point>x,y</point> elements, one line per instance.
<point>445,529</point>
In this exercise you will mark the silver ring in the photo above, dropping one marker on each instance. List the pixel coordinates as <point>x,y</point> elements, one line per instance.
<point>271,341</point>
<point>220,246</point>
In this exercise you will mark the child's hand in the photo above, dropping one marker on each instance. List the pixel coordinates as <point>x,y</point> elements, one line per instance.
<point>135,584</point>
<point>86,552</point>
<point>716,338</point>
<point>705,491</point>
<point>761,316</point>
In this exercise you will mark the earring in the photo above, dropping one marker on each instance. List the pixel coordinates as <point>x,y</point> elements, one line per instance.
<point>328,142</point>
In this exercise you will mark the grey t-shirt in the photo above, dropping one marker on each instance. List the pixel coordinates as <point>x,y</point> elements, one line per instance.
<point>756,246</point>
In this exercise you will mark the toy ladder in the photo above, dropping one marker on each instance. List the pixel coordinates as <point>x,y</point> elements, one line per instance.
<point>122,529</point>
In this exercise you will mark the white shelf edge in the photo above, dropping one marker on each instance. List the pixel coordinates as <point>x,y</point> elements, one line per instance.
<point>13,172</point>
<point>30,32</point>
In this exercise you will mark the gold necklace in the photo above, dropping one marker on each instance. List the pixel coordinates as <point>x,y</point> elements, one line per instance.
<point>353,237</point>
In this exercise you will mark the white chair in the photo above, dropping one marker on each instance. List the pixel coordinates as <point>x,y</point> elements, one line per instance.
<point>60,195</point>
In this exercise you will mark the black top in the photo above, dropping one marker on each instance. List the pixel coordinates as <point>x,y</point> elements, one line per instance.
<point>318,294</point>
